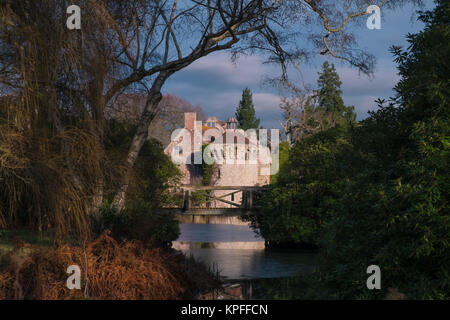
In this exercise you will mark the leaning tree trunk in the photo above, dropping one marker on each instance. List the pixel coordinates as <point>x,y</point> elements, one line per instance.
<point>141,135</point>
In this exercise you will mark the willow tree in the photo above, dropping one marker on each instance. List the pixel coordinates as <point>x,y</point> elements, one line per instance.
<point>50,154</point>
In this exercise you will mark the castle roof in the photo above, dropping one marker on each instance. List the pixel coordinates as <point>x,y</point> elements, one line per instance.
<point>212,118</point>
<point>235,137</point>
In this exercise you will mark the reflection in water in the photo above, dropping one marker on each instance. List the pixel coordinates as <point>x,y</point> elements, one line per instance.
<point>242,255</point>
<point>216,233</point>
<point>251,264</point>
<point>254,245</point>
<point>211,219</point>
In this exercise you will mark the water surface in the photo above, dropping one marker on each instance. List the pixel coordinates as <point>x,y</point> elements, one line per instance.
<point>234,262</point>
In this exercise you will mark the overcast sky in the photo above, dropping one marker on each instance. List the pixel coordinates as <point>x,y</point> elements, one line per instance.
<point>216,84</point>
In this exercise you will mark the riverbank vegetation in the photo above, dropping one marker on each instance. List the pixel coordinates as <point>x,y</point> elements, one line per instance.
<point>109,270</point>
<point>377,191</point>
<point>150,189</point>
<point>131,261</point>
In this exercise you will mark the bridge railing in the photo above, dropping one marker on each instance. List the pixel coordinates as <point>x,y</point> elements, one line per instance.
<point>245,195</point>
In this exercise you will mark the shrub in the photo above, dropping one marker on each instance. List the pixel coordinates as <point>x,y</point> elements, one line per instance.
<point>141,221</point>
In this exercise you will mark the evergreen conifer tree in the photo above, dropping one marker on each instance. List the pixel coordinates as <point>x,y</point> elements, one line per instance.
<point>329,93</point>
<point>245,112</point>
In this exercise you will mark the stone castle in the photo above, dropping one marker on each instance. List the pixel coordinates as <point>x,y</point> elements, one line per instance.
<point>239,159</point>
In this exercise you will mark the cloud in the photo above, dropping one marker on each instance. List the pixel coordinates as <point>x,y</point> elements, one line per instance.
<point>217,70</point>
<point>247,70</point>
<point>216,83</point>
<point>361,91</point>
<point>354,84</point>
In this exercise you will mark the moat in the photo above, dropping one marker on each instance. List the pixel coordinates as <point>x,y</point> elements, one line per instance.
<point>238,252</point>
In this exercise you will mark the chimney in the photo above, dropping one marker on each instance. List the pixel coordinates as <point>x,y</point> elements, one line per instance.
<point>189,120</point>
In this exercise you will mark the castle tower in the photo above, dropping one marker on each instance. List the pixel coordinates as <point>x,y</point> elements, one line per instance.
<point>232,123</point>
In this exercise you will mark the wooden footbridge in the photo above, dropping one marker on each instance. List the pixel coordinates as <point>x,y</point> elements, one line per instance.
<point>243,200</point>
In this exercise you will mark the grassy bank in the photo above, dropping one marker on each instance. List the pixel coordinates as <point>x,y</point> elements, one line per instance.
<point>9,237</point>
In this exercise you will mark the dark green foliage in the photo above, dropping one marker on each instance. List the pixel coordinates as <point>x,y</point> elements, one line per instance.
<point>200,197</point>
<point>329,93</point>
<point>312,173</point>
<point>288,288</point>
<point>424,86</point>
<point>207,170</point>
<point>297,206</point>
<point>397,218</point>
<point>283,161</point>
<point>154,174</point>
<point>245,112</point>
<point>139,220</point>
<point>397,207</point>
<point>378,192</point>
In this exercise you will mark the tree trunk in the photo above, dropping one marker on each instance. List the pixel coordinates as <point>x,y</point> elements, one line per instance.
<point>141,135</point>
<point>97,127</point>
